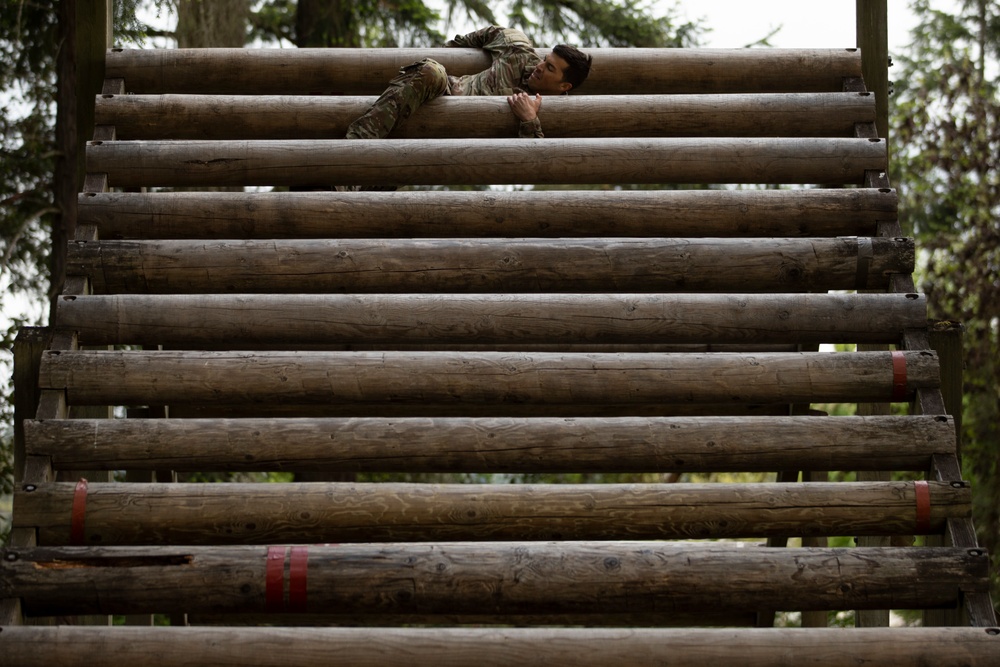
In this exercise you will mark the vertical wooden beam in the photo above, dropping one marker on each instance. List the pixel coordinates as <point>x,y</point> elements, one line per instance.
<point>872,21</point>
<point>946,340</point>
<point>85,36</point>
<point>94,37</point>
<point>28,346</point>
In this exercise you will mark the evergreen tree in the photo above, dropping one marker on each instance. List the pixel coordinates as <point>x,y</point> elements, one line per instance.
<point>947,125</point>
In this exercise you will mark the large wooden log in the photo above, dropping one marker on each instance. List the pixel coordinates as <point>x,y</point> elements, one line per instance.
<point>297,117</point>
<point>329,378</point>
<point>538,213</point>
<point>476,410</point>
<point>307,162</point>
<point>69,646</point>
<point>625,444</point>
<point>449,319</point>
<point>367,71</point>
<point>162,514</point>
<point>602,578</point>
<point>493,265</point>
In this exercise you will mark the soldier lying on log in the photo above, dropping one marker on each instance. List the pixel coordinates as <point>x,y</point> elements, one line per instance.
<point>516,71</point>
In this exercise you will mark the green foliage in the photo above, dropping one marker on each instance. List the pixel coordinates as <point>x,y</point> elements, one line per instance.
<point>947,123</point>
<point>595,23</point>
<point>386,23</point>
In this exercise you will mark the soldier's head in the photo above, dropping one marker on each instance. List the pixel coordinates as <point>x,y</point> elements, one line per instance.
<point>564,68</point>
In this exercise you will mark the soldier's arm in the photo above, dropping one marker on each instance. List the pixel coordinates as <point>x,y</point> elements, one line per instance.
<point>478,39</point>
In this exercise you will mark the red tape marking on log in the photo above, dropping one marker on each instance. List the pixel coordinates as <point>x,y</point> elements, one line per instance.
<point>78,513</point>
<point>923,493</point>
<point>274,580</point>
<point>297,580</point>
<point>898,377</point>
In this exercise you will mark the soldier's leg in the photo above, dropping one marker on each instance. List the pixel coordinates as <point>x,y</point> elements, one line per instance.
<point>414,85</point>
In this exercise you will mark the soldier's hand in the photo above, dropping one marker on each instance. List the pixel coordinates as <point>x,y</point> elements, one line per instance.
<point>524,106</point>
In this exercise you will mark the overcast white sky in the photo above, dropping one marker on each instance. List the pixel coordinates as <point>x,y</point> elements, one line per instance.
<point>804,23</point>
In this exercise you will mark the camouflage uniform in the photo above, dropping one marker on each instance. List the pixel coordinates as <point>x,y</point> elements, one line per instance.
<point>513,60</point>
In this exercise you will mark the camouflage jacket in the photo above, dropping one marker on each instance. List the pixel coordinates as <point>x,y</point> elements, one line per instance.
<point>513,60</point>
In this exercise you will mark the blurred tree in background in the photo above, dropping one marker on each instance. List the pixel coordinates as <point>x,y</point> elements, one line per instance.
<point>946,123</point>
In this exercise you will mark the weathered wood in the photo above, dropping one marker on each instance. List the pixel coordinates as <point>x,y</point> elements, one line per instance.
<point>604,578</point>
<point>947,340</point>
<point>340,512</point>
<point>367,71</point>
<point>133,164</point>
<point>476,410</point>
<point>494,265</point>
<point>297,117</point>
<point>497,647</point>
<point>539,213</point>
<point>28,346</point>
<point>872,28</point>
<point>167,377</point>
<point>626,444</point>
<point>449,319</point>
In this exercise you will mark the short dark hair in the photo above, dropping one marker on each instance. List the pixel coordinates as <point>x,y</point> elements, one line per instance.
<point>577,64</point>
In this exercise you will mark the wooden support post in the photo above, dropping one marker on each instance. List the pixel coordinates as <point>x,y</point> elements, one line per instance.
<point>946,339</point>
<point>873,38</point>
<point>28,347</point>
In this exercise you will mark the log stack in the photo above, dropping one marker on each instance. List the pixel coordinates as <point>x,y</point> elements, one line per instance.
<point>635,350</point>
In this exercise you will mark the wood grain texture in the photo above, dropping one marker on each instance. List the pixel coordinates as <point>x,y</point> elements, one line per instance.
<point>69,646</point>
<point>317,117</point>
<point>622,71</point>
<point>603,578</point>
<point>599,444</point>
<point>535,213</point>
<point>235,513</point>
<point>489,265</point>
<point>306,162</point>
<point>442,320</point>
<point>167,377</point>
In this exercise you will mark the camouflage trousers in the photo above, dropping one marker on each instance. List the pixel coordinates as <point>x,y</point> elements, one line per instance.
<point>414,85</point>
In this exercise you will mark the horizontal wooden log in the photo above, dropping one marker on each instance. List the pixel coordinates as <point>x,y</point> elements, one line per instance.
<point>625,444</point>
<point>474,410</point>
<point>449,319</point>
<point>206,514</point>
<point>602,578</point>
<point>367,71</point>
<point>538,213</point>
<point>298,117</point>
<point>654,619</point>
<point>493,265</point>
<point>330,378</point>
<point>70,646</point>
<point>307,162</point>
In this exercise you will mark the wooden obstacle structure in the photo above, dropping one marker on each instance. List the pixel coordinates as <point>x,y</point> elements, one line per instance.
<point>647,332</point>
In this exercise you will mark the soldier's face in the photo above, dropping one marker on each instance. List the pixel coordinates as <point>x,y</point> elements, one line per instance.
<point>547,77</point>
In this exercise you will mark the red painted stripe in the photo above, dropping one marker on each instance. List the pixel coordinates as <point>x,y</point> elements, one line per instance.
<point>899,392</point>
<point>298,589</point>
<point>923,493</point>
<point>274,580</point>
<point>78,513</point>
